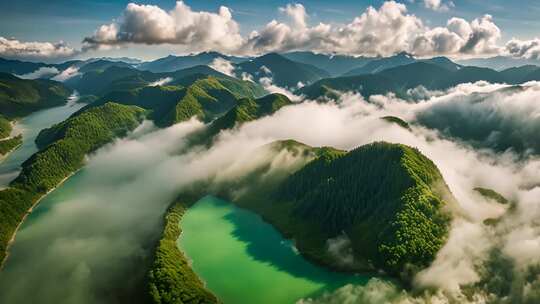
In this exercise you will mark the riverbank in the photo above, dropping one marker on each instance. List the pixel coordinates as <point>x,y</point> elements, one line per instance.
<point>10,143</point>
<point>28,212</point>
<point>7,146</point>
<point>171,277</point>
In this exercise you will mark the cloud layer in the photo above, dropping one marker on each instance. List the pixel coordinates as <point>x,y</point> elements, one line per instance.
<point>117,205</point>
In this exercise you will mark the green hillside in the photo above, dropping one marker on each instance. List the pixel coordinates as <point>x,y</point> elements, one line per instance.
<point>334,64</point>
<point>387,198</point>
<point>171,279</point>
<point>7,145</point>
<point>364,84</point>
<point>284,72</point>
<point>5,127</point>
<point>63,148</point>
<point>434,76</point>
<point>248,109</point>
<point>20,97</point>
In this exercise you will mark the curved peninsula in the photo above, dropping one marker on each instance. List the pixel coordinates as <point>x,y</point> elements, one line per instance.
<point>387,201</point>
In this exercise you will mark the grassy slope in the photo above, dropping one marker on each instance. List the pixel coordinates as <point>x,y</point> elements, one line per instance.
<point>20,97</point>
<point>61,154</point>
<point>171,279</point>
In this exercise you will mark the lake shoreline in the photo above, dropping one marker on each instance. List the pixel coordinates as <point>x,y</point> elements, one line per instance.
<point>309,284</point>
<point>23,220</point>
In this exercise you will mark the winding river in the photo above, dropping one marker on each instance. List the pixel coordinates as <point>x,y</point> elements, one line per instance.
<point>29,127</point>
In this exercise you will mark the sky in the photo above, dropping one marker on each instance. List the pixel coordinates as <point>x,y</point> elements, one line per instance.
<point>65,24</point>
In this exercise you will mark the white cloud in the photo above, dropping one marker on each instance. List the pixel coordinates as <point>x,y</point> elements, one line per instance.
<point>222,65</point>
<point>529,49</point>
<point>268,84</point>
<point>347,124</point>
<point>438,5</point>
<point>66,74</point>
<point>40,73</point>
<point>149,24</point>
<point>15,49</point>
<point>383,31</point>
<point>160,82</point>
<point>459,37</point>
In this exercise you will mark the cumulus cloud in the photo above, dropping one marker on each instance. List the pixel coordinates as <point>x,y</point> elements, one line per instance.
<point>222,65</point>
<point>529,49</point>
<point>438,5</point>
<point>40,73</point>
<point>149,24</point>
<point>15,49</point>
<point>459,37</point>
<point>381,31</point>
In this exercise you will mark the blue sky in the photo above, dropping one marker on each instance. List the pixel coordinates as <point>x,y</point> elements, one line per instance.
<point>72,20</point>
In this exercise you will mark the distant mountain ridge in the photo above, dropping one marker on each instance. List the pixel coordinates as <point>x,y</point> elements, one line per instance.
<point>425,73</point>
<point>173,63</point>
<point>283,72</point>
<point>401,59</point>
<point>336,65</point>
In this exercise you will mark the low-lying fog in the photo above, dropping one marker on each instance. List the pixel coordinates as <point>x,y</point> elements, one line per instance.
<point>89,241</point>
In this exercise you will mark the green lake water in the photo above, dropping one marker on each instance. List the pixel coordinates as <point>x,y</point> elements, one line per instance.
<point>29,127</point>
<point>244,260</point>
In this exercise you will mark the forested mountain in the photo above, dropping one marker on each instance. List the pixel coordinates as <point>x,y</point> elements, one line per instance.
<point>336,65</point>
<point>173,63</point>
<point>389,200</point>
<point>20,97</point>
<point>367,85</point>
<point>382,64</point>
<point>117,78</point>
<point>422,73</point>
<point>283,72</point>
<point>18,67</point>
<point>194,95</point>
<point>499,63</point>
<point>248,109</point>
<point>401,59</point>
